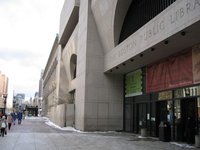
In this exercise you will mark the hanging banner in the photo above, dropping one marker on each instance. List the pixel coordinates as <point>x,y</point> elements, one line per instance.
<point>196,63</point>
<point>133,83</point>
<point>173,72</point>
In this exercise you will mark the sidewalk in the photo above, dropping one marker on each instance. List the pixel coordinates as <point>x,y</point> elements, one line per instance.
<point>34,134</point>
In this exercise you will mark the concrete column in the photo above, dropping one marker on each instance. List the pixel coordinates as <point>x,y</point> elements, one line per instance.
<point>99,97</point>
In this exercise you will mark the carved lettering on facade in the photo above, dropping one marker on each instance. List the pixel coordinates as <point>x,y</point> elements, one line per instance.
<point>154,30</point>
<point>181,12</point>
<point>157,27</point>
<point>128,47</point>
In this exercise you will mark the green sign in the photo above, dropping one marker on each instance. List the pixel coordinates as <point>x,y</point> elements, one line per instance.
<point>133,83</point>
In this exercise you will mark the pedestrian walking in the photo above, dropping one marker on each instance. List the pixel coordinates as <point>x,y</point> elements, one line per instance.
<point>1,114</point>
<point>14,117</point>
<point>19,117</point>
<point>3,126</point>
<point>9,121</point>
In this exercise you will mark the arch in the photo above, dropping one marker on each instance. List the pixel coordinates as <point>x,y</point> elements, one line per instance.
<point>139,13</point>
<point>120,13</point>
<point>73,65</point>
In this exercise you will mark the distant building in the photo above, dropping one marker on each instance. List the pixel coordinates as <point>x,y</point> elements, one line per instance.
<point>41,85</point>
<point>41,106</point>
<point>19,98</point>
<point>32,107</point>
<point>3,84</point>
<point>3,92</point>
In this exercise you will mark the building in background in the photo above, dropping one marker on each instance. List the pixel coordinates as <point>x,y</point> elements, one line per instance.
<point>126,65</point>
<point>35,101</point>
<point>41,108</point>
<point>18,100</point>
<point>32,107</point>
<point>3,92</point>
<point>41,84</point>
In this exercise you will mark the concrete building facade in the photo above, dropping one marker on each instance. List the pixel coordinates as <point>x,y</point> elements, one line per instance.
<point>127,65</point>
<point>3,91</point>
<point>55,94</point>
<point>3,84</point>
<point>40,91</point>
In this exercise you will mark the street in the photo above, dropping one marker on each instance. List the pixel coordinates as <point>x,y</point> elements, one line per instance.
<point>34,134</point>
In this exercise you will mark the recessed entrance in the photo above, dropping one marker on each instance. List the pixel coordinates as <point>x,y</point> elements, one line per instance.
<point>185,119</point>
<point>141,117</point>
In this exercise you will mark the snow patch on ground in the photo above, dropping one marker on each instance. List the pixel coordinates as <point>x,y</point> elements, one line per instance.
<point>49,123</point>
<point>142,137</point>
<point>33,118</point>
<point>183,145</point>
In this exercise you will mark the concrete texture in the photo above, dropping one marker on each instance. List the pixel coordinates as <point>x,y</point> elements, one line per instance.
<point>34,134</point>
<point>96,93</point>
<point>70,114</point>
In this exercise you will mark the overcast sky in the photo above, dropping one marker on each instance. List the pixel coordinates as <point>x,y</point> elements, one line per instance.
<point>27,32</point>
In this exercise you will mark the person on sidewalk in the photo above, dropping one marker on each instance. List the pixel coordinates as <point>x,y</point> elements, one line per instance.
<point>9,120</point>
<point>19,117</point>
<point>14,117</point>
<point>3,125</point>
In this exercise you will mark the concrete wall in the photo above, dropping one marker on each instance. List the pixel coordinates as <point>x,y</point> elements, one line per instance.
<point>70,114</point>
<point>68,20</point>
<point>67,52</point>
<point>99,97</point>
<point>81,66</point>
<point>57,115</point>
<point>55,86</point>
<point>66,12</point>
<point>109,17</point>
<point>50,78</point>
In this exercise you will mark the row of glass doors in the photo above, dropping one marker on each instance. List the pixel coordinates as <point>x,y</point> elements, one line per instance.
<point>182,115</point>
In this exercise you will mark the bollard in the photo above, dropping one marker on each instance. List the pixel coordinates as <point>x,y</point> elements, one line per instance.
<point>144,132</point>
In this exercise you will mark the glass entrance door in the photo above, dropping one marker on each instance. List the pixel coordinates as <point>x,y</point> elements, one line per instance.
<point>185,119</point>
<point>163,114</point>
<point>188,111</point>
<point>142,116</point>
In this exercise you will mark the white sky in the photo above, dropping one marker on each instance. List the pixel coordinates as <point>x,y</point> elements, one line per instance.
<point>27,32</point>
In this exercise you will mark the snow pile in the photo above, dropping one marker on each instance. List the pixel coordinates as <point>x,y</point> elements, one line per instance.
<point>183,145</point>
<point>141,137</point>
<point>33,118</point>
<point>49,123</point>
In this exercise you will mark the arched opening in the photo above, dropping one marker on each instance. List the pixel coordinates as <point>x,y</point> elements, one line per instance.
<point>120,13</point>
<point>73,66</point>
<point>139,13</point>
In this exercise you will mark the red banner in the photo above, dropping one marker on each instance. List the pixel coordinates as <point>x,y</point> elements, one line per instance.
<point>196,63</point>
<point>175,71</point>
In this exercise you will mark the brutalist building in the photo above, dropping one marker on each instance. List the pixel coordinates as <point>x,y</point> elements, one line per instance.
<point>130,65</point>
